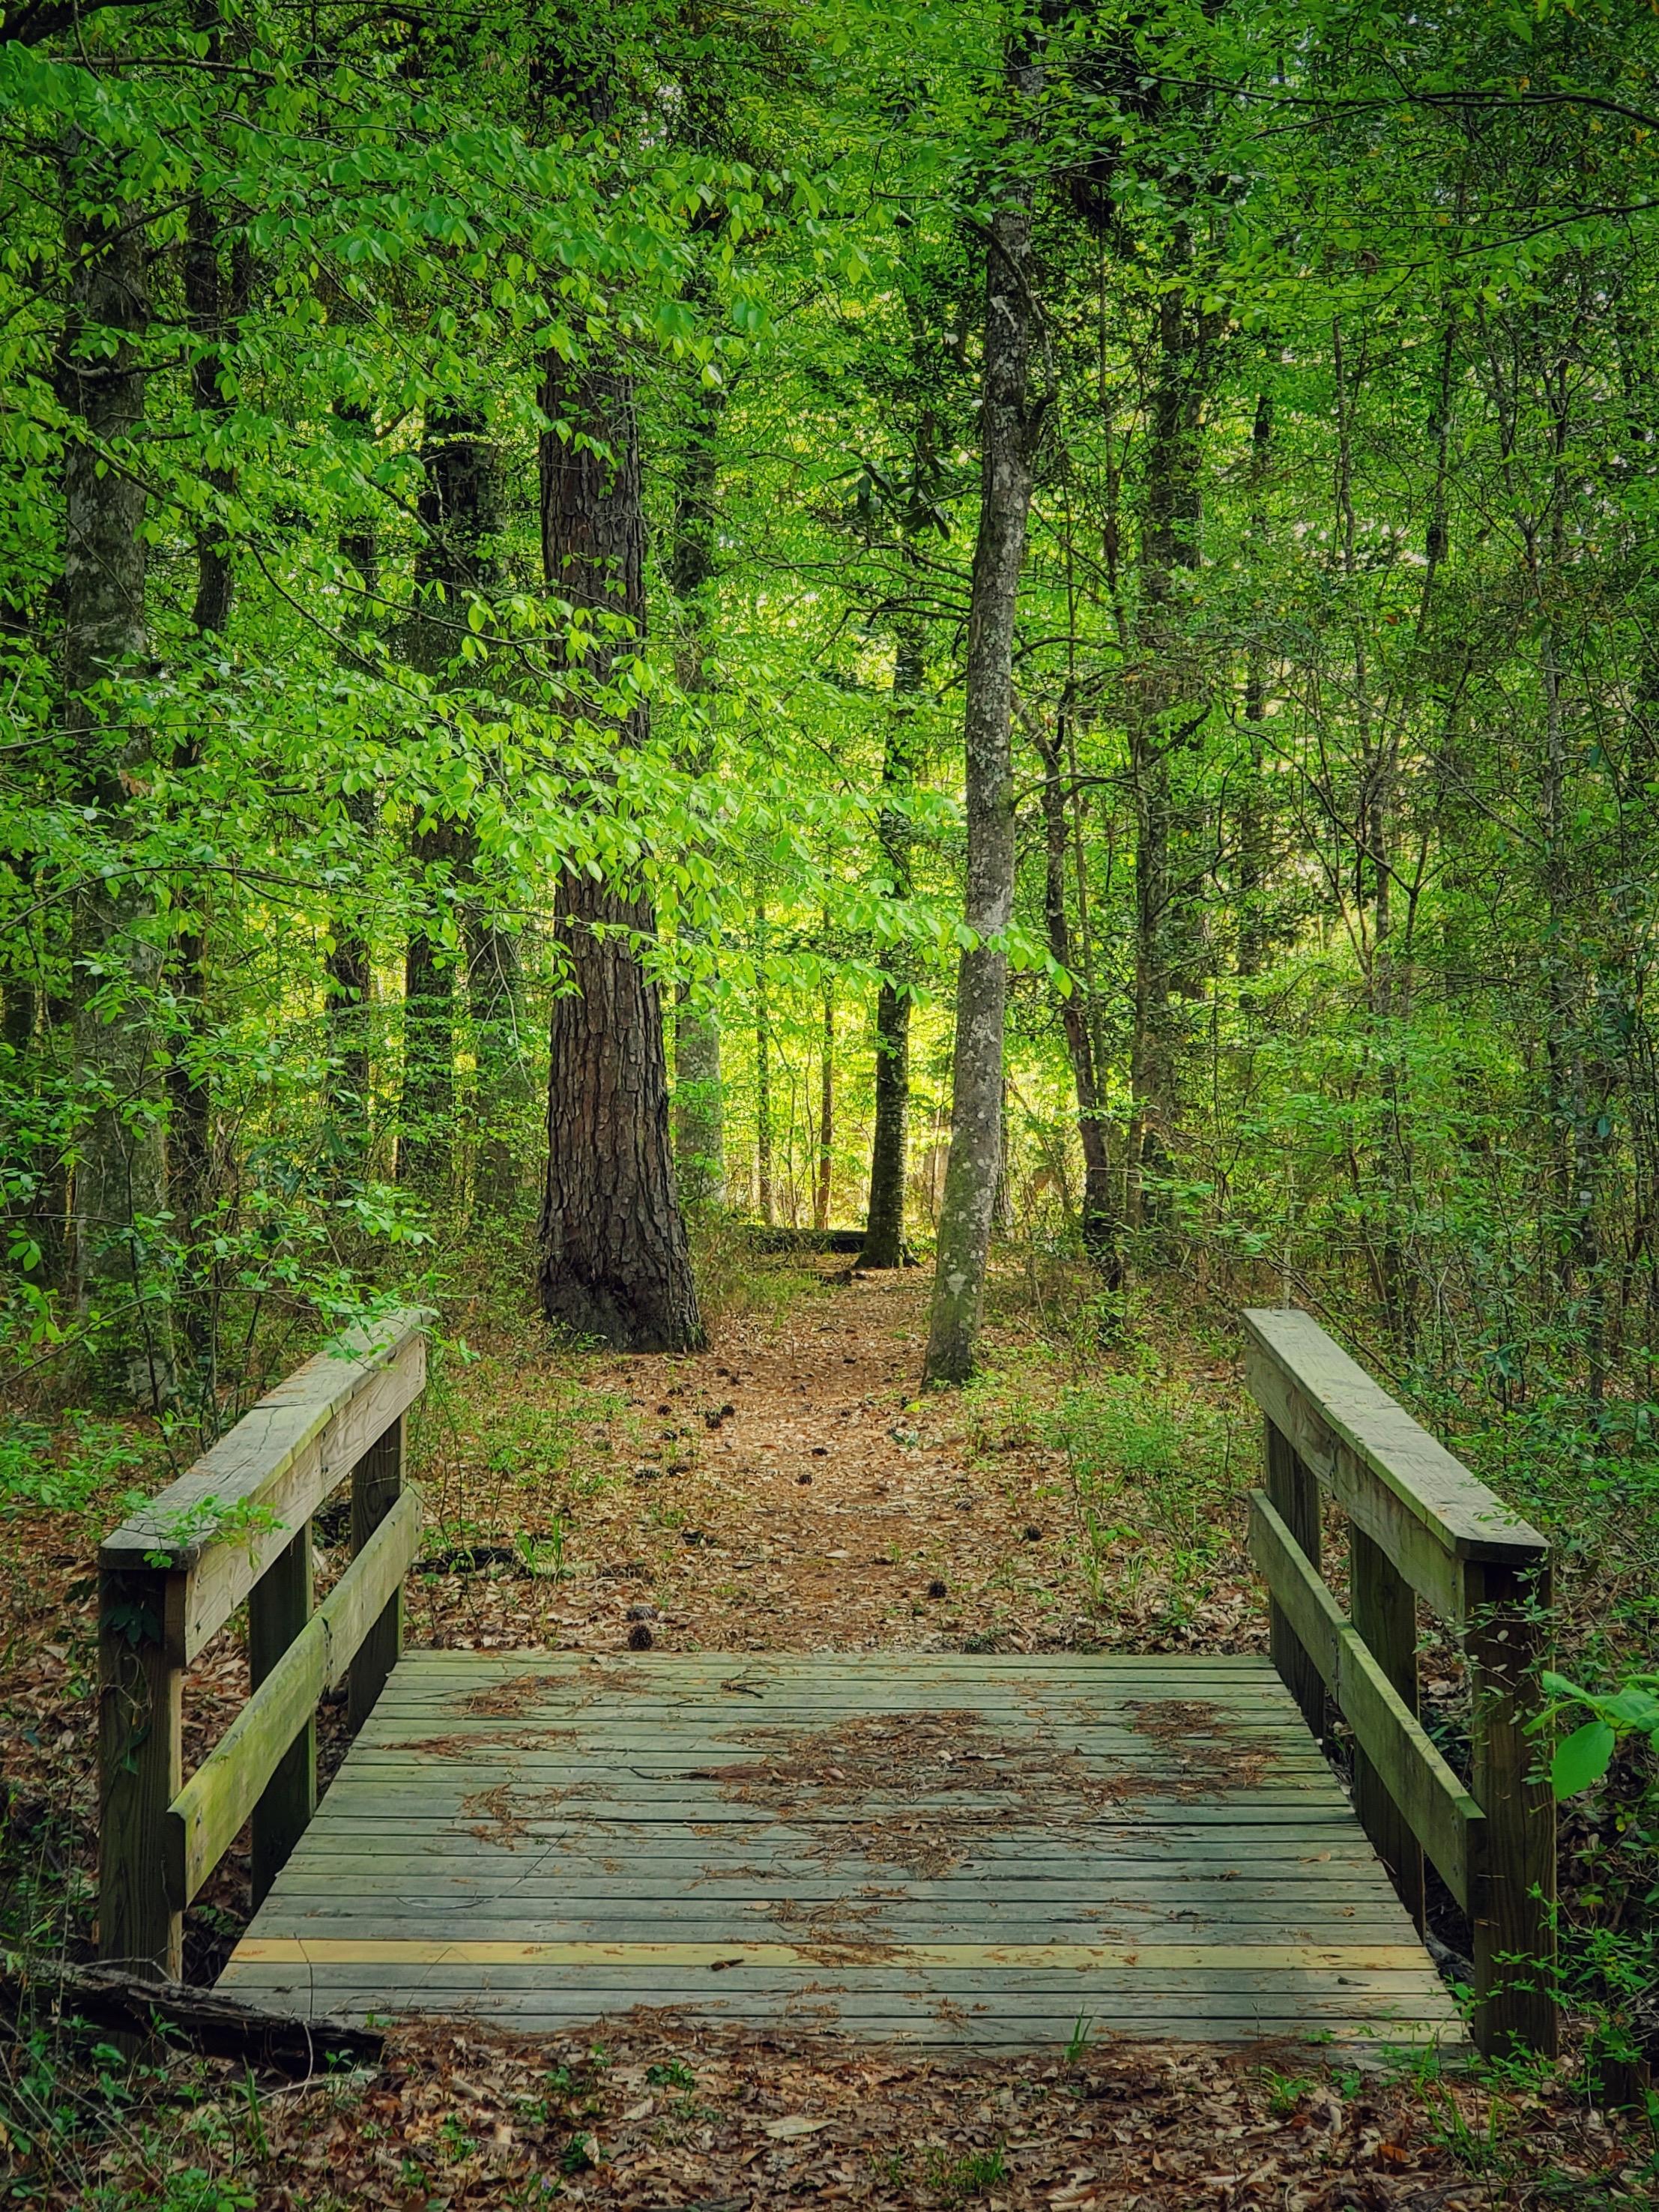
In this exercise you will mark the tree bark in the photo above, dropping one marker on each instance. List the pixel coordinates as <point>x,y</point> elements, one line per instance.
<point>120,1207</point>
<point>1011,430</point>
<point>614,1260</point>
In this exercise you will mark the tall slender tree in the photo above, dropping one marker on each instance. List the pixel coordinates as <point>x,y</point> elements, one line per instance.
<point>1011,428</point>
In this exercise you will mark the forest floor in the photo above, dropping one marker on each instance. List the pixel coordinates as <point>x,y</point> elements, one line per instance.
<point>787,1490</point>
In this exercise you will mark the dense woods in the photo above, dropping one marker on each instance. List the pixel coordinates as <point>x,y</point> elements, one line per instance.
<point>1027,626</point>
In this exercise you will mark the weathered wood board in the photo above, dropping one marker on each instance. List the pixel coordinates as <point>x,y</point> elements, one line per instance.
<point>933,1852</point>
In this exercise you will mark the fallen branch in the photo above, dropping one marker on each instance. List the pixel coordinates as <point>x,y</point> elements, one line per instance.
<point>109,1998</point>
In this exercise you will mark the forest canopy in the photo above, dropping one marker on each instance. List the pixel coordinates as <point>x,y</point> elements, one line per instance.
<point>1028,615</point>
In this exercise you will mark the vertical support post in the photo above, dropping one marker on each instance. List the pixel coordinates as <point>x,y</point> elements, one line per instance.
<point>377,1482</point>
<point>140,1772</point>
<point>1294,1496</point>
<point>1514,1932</point>
<point>1382,1607</point>
<point>278,1608</point>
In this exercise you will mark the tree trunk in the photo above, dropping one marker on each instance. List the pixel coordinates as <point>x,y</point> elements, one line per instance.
<point>120,1205</point>
<point>1099,1224</point>
<point>1163,719</point>
<point>1010,427</point>
<point>1253,847</point>
<point>883,1232</point>
<point>614,1260</point>
<point>454,562</point>
<point>762,1078</point>
<point>349,966</point>
<point>826,1114</point>
<point>211,304</point>
<point>699,1102</point>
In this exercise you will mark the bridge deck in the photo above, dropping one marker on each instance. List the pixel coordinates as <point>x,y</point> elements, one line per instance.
<point>932,1850</point>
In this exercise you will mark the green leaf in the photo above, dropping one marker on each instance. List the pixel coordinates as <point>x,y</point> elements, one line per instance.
<point>1581,1759</point>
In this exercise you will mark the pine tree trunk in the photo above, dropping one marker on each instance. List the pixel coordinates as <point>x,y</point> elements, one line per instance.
<point>121,1203</point>
<point>614,1262</point>
<point>1011,428</point>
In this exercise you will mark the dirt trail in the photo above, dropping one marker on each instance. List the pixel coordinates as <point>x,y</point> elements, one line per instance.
<point>784,1490</point>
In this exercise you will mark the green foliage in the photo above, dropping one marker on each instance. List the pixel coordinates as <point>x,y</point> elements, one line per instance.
<point>66,1472</point>
<point>1155,1489</point>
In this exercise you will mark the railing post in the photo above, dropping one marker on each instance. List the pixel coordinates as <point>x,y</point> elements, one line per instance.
<point>1294,1496</point>
<point>140,1679</point>
<point>377,1482</point>
<point>1382,1607</point>
<point>278,1608</point>
<point>1514,1927</point>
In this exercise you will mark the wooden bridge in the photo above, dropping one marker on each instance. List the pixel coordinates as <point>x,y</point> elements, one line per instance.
<point>932,1848</point>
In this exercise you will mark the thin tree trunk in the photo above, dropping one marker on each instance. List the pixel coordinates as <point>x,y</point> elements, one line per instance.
<point>883,1230</point>
<point>614,1260</point>
<point>762,1077</point>
<point>1252,855</point>
<point>1099,1223</point>
<point>1164,694</point>
<point>826,1114</point>
<point>120,1205</point>
<point>455,561</point>
<point>348,965</point>
<point>211,305</point>
<point>1011,430</point>
<point>699,1097</point>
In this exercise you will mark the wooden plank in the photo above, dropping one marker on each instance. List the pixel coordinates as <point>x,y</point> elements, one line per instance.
<point>1383,1608</point>
<point>205,1816</point>
<point>1283,1996</point>
<point>377,1483</point>
<point>140,1718</point>
<point>278,1608</point>
<point>268,1475</point>
<point>707,1919</point>
<point>1162,1959</point>
<point>1401,1486</point>
<point>1442,1814</point>
<point>1514,1920</point>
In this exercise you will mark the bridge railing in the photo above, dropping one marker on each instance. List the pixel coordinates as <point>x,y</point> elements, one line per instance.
<point>1419,1525</point>
<point>236,1527</point>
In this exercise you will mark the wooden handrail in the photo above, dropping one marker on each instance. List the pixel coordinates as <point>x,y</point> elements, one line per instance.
<point>1420,1525</point>
<point>238,1525</point>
